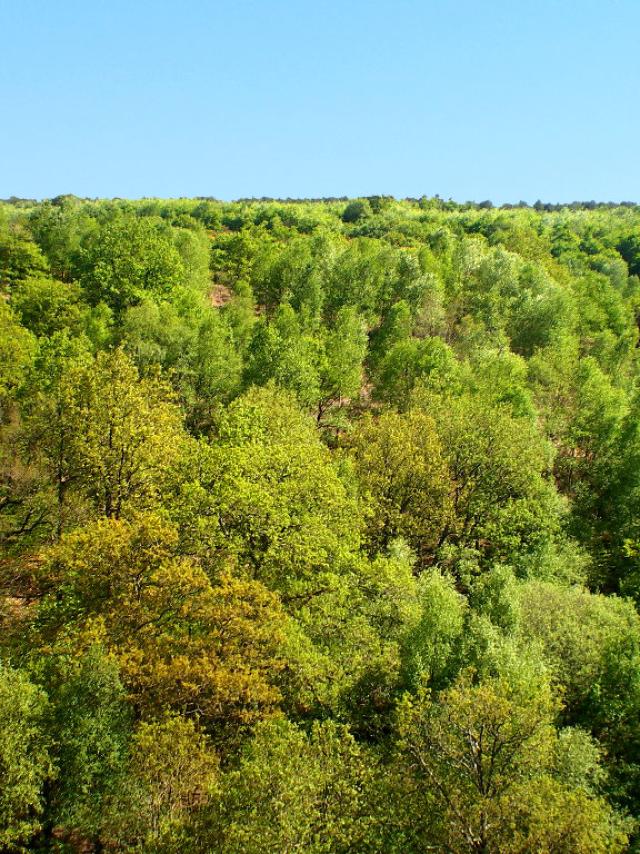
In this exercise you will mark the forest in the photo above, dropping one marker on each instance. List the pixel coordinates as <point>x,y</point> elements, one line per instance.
<point>319,526</point>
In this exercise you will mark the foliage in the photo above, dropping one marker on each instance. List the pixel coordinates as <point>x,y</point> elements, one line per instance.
<point>402,470</point>
<point>319,526</point>
<point>293,791</point>
<point>25,765</point>
<point>483,754</point>
<point>171,773</point>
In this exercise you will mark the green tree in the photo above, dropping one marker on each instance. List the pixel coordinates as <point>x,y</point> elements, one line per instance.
<point>157,334</point>
<point>591,643</point>
<point>282,351</point>
<point>16,353</point>
<point>172,773</point>
<point>20,257</point>
<point>46,306</point>
<point>128,258</point>
<point>360,276</point>
<point>428,362</point>
<point>432,648</point>
<point>106,432</point>
<point>357,210</point>
<point>88,720</point>
<point>293,792</point>
<point>267,491</point>
<point>483,756</point>
<point>345,346</point>
<point>25,765</point>
<point>217,368</point>
<point>403,474</point>
<point>503,503</point>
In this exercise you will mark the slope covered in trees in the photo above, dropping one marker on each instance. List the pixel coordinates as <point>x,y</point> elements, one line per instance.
<point>319,527</point>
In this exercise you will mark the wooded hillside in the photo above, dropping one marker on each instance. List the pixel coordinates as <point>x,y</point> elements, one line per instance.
<point>319,526</point>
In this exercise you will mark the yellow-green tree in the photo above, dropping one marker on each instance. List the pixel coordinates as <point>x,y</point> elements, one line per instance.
<point>204,649</point>
<point>172,772</point>
<point>403,472</point>
<point>103,432</point>
<point>24,758</point>
<point>267,491</point>
<point>483,756</point>
<point>292,791</point>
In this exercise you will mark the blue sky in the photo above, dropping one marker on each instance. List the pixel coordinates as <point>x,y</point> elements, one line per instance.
<point>468,99</point>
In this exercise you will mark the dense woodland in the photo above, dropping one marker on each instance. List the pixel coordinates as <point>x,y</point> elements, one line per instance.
<point>319,527</point>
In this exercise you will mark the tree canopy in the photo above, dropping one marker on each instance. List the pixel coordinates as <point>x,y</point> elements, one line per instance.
<point>319,526</point>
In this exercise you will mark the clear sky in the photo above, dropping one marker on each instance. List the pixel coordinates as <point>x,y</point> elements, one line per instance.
<point>473,99</point>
